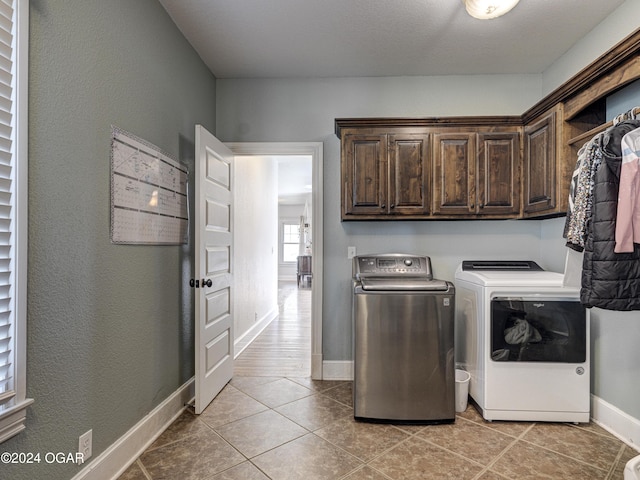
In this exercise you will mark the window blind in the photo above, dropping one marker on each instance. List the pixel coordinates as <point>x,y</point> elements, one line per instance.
<point>7,387</point>
<point>13,401</point>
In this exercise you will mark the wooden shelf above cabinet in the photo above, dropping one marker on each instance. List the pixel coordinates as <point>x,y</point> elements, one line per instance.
<point>425,122</point>
<point>580,140</point>
<point>614,69</point>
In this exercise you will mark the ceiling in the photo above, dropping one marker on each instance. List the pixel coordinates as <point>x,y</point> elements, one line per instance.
<point>294,179</point>
<point>342,38</point>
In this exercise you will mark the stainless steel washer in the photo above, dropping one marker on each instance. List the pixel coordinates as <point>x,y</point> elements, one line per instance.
<point>403,321</point>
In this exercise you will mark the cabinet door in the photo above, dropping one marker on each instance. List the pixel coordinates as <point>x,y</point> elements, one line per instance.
<point>409,182</point>
<point>498,178</point>
<point>364,174</point>
<point>454,170</point>
<point>539,175</point>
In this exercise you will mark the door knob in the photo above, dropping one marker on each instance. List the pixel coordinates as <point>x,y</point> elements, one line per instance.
<point>206,282</point>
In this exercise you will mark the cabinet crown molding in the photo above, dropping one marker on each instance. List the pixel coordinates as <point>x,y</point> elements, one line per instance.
<point>422,122</point>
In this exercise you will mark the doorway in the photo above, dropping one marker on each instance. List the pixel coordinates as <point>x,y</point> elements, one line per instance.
<point>313,150</point>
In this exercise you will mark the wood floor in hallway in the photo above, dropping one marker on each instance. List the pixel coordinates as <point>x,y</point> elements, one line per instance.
<point>284,347</point>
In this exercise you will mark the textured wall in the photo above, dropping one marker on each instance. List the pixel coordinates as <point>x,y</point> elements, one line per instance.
<point>110,327</point>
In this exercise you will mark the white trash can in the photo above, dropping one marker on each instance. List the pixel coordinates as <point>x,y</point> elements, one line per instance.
<point>462,390</point>
<point>632,469</point>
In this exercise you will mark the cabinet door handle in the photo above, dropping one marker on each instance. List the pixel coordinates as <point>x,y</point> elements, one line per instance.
<point>383,205</point>
<point>393,205</point>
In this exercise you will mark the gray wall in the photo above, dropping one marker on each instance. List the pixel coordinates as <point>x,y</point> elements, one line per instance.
<point>110,328</point>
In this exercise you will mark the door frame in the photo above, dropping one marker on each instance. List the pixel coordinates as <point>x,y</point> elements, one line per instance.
<point>313,149</point>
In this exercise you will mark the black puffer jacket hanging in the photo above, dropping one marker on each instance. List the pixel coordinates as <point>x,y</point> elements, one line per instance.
<point>609,280</point>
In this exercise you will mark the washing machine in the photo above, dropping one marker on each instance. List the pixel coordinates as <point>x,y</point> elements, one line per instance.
<point>403,323</point>
<point>524,338</point>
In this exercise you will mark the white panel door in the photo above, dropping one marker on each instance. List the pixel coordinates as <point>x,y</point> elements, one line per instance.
<point>213,267</point>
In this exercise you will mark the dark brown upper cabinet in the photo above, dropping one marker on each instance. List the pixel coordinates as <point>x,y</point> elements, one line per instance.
<point>498,174</point>
<point>454,170</point>
<point>540,176</point>
<point>385,174</point>
<point>476,174</point>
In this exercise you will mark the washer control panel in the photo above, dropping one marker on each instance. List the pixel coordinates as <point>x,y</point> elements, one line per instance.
<point>391,264</point>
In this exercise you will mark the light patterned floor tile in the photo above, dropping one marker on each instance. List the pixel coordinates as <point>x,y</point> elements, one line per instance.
<point>525,461</point>
<point>244,471</point>
<point>134,472</point>
<point>363,440</point>
<point>280,392</point>
<point>187,424</point>
<point>366,473</point>
<point>306,458</point>
<point>416,459</point>
<point>588,447</point>
<point>230,405</point>
<point>192,458</point>
<point>469,439</point>
<point>315,411</point>
<point>342,393</point>
<point>261,432</point>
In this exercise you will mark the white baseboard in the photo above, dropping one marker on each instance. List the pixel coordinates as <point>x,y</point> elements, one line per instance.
<point>342,370</point>
<point>256,329</point>
<point>615,421</point>
<point>111,463</point>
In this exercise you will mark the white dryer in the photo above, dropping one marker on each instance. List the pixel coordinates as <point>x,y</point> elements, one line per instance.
<point>524,338</point>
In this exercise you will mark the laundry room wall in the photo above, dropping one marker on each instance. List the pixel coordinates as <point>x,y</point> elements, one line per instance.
<point>277,110</point>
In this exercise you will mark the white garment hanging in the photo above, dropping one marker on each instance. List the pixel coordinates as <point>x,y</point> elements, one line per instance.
<point>628,213</point>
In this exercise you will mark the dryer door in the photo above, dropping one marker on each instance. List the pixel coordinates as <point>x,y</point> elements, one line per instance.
<point>538,330</point>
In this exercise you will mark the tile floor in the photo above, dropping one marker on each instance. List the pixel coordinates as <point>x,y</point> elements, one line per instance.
<point>295,428</point>
<point>285,427</point>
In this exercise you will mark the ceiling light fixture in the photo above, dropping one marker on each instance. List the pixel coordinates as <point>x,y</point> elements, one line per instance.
<point>487,9</point>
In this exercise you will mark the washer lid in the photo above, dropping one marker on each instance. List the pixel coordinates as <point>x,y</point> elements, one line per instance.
<point>501,265</point>
<point>509,279</point>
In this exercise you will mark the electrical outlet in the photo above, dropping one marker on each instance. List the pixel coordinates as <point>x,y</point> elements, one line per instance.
<point>85,446</point>
<point>351,252</point>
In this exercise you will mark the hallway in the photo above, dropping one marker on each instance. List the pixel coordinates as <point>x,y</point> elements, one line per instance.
<point>284,347</point>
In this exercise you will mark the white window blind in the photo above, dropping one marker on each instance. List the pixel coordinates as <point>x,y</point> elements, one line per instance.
<point>13,201</point>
